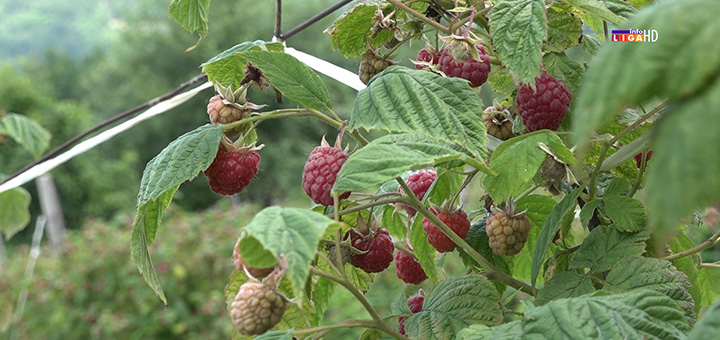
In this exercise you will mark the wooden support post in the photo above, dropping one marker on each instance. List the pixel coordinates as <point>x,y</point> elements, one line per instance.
<point>50,205</point>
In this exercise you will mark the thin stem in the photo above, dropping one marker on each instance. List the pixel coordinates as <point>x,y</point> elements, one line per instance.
<point>700,247</point>
<point>370,205</point>
<point>464,184</point>
<point>709,265</point>
<point>596,172</point>
<point>420,16</point>
<point>338,254</point>
<point>278,19</point>
<point>527,192</point>
<point>378,322</point>
<point>639,121</point>
<point>603,152</point>
<point>482,261</point>
<point>638,178</point>
<point>605,29</point>
<point>327,259</point>
<point>350,323</point>
<point>402,248</point>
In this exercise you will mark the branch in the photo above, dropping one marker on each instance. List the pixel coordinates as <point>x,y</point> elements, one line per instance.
<point>419,15</point>
<point>696,249</point>
<point>482,261</point>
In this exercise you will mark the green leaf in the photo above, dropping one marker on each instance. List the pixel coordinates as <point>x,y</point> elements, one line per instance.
<point>292,236</point>
<point>538,208</point>
<point>147,219</point>
<point>350,33</point>
<point>284,334</point>
<point>709,326</point>
<point>501,81</point>
<point>292,77</point>
<point>616,187</point>
<point>180,161</point>
<point>605,246</point>
<point>550,227</point>
<point>564,28</point>
<point>517,160</point>
<point>590,43</point>
<point>454,304</point>
<point>192,15</point>
<point>358,277</point>
<point>620,7</point>
<point>228,67</point>
<point>678,65</point>
<point>587,212</point>
<point>653,274</point>
<point>640,314</point>
<point>519,29</point>
<point>394,222</point>
<point>445,186</point>
<point>596,8</point>
<point>685,163</point>
<point>388,157</point>
<point>564,285</point>
<point>422,249</point>
<point>628,214</point>
<point>14,211</point>
<point>26,132</point>
<point>407,100</point>
<point>560,66</point>
<point>508,331</point>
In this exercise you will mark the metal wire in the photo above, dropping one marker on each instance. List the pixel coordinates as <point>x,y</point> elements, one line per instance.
<point>314,19</point>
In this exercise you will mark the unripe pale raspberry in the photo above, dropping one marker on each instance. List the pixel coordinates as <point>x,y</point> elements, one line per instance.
<point>379,249</point>
<point>231,172</point>
<point>546,106</point>
<point>257,308</point>
<point>370,65</point>
<point>221,113</point>
<point>419,182</point>
<point>457,221</point>
<point>408,269</point>
<point>320,172</point>
<point>507,234</point>
<point>497,123</point>
<point>239,264</point>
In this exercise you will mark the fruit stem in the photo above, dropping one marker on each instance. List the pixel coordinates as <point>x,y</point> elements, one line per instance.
<point>603,152</point>
<point>377,320</point>
<point>419,15</point>
<point>464,184</point>
<point>698,248</point>
<point>482,261</point>
<point>370,205</point>
<point>350,323</point>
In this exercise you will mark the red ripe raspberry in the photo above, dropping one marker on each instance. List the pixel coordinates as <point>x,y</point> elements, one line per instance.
<point>419,182</point>
<point>379,249</point>
<point>231,172</point>
<point>638,158</point>
<point>320,173</point>
<point>415,303</point>
<point>473,70</point>
<point>545,107</point>
<point>408,269</point>
<point>457,221</point>
<point>426,56</point>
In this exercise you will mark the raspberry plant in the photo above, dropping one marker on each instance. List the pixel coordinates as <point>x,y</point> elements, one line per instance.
<point>622,269</point>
